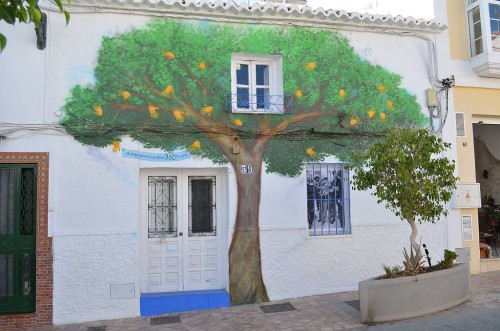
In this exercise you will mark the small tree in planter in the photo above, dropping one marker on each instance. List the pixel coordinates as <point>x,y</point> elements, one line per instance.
<point>409,176</point>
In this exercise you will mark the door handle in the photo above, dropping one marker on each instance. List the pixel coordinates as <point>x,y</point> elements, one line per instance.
<point>180,234</point>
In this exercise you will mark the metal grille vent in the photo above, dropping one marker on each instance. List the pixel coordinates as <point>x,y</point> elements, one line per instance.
<point>277,308</point>
<point>97,328</point>
<point>165,320</point>
<point>467,228</point>
<point>460,121</point>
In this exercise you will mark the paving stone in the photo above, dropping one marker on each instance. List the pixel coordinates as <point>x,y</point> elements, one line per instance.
<point>324,313</point>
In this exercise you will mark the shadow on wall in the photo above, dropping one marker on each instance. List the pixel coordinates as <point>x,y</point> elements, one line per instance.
<point>487,169</point>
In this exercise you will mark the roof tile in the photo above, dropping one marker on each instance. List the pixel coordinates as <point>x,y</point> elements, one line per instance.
<point>266,12</point>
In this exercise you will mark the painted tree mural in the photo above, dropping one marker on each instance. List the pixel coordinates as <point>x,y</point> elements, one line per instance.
<point>165,85</point>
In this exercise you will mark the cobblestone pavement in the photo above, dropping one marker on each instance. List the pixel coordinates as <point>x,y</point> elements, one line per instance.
<point>322,312</point>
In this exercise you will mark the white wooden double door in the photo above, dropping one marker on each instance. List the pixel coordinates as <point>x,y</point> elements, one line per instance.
<point>181,237</point>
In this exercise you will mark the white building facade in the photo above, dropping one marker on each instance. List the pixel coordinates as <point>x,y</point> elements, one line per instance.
<point>182,184</point>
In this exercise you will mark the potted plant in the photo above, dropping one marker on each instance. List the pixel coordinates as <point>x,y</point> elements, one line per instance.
<point>408,173</point>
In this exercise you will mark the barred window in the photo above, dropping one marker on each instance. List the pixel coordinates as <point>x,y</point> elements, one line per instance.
<point>202,204</point>
<point>162,206</point>
<point>328,211</point>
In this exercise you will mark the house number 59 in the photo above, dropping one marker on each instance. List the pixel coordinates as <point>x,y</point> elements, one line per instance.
<point>246,169</point>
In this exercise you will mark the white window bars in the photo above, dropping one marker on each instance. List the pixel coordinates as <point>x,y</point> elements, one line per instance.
<point>328,202</point>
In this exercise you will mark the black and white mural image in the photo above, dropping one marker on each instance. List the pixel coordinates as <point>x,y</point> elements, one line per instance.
<point>327,198</point>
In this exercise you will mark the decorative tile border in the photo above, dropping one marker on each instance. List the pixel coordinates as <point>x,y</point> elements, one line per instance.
<point>44,259</point>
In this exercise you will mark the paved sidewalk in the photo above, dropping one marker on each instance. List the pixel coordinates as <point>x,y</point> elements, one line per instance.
<point>323,312</point>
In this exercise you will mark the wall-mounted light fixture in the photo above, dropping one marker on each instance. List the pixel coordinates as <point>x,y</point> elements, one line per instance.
<point>41,32</point>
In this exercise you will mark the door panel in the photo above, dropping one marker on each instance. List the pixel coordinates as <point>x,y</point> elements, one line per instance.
<point>202,242</point>
<point>17,237</point>
<point>202,264</point>
<point>181,247</point>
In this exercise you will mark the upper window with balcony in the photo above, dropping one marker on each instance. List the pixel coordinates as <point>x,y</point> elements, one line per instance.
<point>483,20</point>
<point>257,85</point>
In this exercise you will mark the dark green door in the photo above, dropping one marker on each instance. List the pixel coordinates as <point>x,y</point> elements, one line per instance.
<point>17,237</point>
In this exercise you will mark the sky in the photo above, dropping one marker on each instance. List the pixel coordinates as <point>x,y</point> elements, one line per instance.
<point>415,8</point>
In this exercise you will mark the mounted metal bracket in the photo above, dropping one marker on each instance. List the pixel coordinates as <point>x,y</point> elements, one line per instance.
<point>41,32</point>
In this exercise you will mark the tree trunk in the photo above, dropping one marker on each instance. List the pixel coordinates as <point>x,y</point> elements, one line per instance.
<point>413,238</point>
<point>245,272</point>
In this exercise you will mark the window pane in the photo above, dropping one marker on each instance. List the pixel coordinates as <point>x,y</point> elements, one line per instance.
<point>478,44</point>
<point>475,32</point>
<point>162,206</point>
<point>262,74</point>
<point>495,26</point>
<point>6,275</point>
<point>27,201</point>
<point>201,206</point>
<point>27,274</point>
<point>474,15</point>
<point>7,201</point>
<point>242,97</point>
<point>494,10</point>
<point>242,74</point>
<point>263,98</point>
<point>495,44</point>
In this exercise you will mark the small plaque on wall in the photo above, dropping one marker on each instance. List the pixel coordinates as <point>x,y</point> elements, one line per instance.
<point>246,169</point>
<point>122,291</point>
<point>467,195</point>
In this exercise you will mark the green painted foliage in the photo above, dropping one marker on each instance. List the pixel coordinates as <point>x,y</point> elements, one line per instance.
<point>340,101</point>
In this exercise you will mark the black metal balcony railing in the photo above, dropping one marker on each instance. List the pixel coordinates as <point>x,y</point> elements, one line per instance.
<point>251,103</point>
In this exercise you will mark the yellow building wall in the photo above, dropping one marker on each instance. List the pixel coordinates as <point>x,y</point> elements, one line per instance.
<point>476,102</point>
<point>473,102</point>
<point>457,28</point>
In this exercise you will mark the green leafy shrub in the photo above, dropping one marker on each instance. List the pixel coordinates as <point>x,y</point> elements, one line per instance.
<point>391,272</point>
<point>449,258</point>
<point>413,261</point>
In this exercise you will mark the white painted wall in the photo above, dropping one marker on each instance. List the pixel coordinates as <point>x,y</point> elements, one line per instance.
<point>94,195</point>
<point>453,230</point>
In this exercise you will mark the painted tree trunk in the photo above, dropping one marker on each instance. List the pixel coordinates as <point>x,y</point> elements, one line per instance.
<point>246,284</point>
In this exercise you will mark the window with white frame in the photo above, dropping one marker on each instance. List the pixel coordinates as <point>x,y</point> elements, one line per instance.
<point>475,31</point>
<point>483,18</point>
<point>328,207</point>
<point>483,23</point>
<point>256,84</point>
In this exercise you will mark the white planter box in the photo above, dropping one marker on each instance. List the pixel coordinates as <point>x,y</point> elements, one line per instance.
<point>405,297</point>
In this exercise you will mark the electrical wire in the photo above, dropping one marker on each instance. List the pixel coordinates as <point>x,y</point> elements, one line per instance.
<point>16,131</point>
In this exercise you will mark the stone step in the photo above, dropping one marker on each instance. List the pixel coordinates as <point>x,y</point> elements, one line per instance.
<point>177,302</point>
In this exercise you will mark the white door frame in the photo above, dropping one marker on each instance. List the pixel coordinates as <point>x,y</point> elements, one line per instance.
<point>182,225</point>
